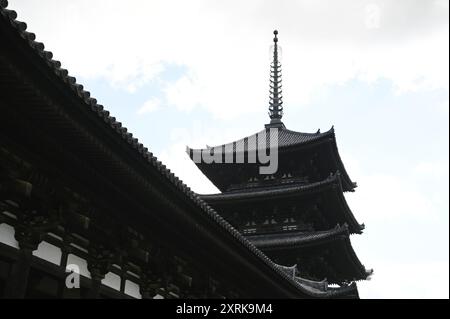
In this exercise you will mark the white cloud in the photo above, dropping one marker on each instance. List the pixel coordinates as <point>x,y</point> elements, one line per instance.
<point>407,281</point>
<point>226,50</point>
<point>392,198</point>
<point>177,159</point>
<point>185,93</point>
<point>406,239</point>
<point>150,105</point>
<point>388,197</point>
<point>432,169</point>
<point>373,13</point>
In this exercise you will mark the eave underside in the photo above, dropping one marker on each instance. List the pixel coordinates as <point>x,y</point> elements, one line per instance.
<point>292,240</point>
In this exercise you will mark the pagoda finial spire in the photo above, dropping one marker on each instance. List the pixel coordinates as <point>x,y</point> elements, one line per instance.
<point>276,99</point>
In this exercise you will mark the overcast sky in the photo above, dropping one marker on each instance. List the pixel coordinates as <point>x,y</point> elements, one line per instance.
<point>180,73</point>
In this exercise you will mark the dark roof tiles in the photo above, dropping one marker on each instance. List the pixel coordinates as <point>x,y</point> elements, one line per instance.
<point>286,138</point>
<point>334,179</point>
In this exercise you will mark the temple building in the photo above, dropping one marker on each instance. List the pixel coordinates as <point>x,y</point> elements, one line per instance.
<point>298,215</point>
<point>81,196</point>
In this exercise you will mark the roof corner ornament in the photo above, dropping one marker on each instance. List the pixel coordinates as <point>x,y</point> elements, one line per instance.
<point>276,99</point>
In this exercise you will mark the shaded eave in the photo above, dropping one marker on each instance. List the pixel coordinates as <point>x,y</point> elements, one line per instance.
<point>333,184</point>
<point>293,240</point>
<point>307,140</point>
<point>50,71</point>
<point>296,241</point>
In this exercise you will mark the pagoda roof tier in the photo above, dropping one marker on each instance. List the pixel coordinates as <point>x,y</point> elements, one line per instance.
<point>224,175</point>
<point>330,187</point>
<point>347,264</point>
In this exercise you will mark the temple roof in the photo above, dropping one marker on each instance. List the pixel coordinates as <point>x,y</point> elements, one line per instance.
<point>321,287</point>
<point>348,266</point>
<point>296,241</point>
<point>52,71</point>
<point>286,138</point>
<point>287,141</point>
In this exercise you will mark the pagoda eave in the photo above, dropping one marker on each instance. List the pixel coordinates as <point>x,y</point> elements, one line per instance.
<point>294,240</point>
<point>320,289</point>
<point>332,185</point>
<point>290,142</point>
<point>297,244</point>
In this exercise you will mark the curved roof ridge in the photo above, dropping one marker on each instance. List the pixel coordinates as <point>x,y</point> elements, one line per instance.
<point>320,285</point>
<point>317,287</point>
<point>317,133</point>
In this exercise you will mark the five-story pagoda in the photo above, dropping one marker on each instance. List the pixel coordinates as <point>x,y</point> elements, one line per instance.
<point>297,215</point>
